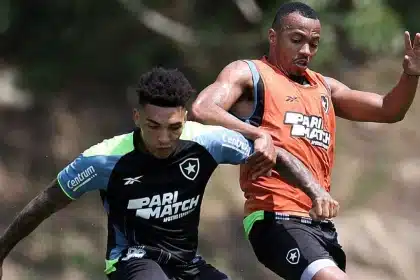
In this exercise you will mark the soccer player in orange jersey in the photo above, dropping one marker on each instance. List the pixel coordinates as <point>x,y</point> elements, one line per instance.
<point>278,95</point>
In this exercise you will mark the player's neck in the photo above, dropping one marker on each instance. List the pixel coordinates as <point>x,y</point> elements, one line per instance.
<point>139,143</point>
<point>300,79</point>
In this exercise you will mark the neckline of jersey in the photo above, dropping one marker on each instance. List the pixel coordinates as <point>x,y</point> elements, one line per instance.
<point>312,83</point>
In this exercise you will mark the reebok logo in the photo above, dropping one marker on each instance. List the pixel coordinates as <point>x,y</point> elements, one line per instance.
<point>82,178</point>
<point>291,98</point>
<point>164,206</point>
<point>130,181</point>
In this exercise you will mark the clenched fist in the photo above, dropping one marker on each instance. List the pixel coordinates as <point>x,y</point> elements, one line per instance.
<point>324,207</point>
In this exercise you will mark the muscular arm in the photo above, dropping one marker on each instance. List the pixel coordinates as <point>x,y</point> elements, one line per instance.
<point>212,106</point>
<point>297,174</point>
<point>372,107</point>
<point>214,102</point>
<point>294,171</point>
<point>219,143</point>
<point>41,207</point>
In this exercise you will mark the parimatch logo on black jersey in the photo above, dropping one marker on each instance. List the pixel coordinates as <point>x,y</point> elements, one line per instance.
<point>163,206</point>
<point>309,127</point>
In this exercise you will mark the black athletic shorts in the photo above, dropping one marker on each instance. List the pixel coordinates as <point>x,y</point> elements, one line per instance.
<point>147,269</point>
<point>294,247</point>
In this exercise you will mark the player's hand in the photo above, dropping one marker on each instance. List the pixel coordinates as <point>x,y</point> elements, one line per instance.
<point>324,207</point>
<point>411,62</point>
<point>264,157</point>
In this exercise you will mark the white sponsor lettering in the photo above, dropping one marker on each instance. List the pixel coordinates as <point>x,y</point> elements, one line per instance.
<point>82,178</point>
<point>309,127</point>
<point>164,206</point>
<point>236,143</point>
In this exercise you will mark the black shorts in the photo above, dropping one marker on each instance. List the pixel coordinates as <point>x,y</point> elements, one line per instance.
<point>146,269</point>
<point>293,247</point>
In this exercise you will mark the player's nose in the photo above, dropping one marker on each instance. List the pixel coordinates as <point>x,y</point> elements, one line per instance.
<point>305,50</point>
<point>164,138</point>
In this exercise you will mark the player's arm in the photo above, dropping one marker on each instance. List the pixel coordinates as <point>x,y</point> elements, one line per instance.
<point>371,107</point>
<point>297,174</point>
<point>214,102</point>
<point>40,208</point>
<point>230,147</point>
<point>79,177</point>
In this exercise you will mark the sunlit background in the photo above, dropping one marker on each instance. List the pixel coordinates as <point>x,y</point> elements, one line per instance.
<point>64,70</point>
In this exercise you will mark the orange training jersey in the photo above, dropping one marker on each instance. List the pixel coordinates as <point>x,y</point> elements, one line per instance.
<point>301,120</point>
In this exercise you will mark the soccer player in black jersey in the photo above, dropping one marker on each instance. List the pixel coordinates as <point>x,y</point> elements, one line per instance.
<point>151,182</point>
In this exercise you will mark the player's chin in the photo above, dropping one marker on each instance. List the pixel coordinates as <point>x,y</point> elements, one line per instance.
<point>299,68</point>
<point>163,152</point>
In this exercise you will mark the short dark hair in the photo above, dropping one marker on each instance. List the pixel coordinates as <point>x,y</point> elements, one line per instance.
<point>164,87</point>
<point>289,8</point>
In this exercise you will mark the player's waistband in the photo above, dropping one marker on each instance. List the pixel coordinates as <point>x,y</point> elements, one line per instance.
<point>279,216</point>
<point>262,215</point>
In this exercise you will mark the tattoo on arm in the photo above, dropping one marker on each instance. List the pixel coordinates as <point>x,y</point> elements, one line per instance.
<point>41,207</point>
<point>297,174</point>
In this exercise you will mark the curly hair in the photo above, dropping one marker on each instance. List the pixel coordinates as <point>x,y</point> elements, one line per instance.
<point>164,87</point>
<point>289,8</point>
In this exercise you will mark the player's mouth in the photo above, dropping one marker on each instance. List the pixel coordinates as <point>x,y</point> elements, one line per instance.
<point>302,63</point>
<point>166,149</point>
<point>163,152</point>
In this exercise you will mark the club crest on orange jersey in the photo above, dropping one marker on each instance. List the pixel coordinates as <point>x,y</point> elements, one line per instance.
<point>325,103</point>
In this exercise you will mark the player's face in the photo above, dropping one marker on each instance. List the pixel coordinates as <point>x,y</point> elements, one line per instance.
<point>296,43</point>
<point>161,128</point>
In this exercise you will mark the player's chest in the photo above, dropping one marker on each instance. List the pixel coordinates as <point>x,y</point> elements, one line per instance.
<point>311,100</point>
<point>134,178</point>
<point>159,190</point>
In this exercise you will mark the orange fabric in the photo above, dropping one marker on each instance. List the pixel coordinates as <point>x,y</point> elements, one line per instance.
<point>301,120</point>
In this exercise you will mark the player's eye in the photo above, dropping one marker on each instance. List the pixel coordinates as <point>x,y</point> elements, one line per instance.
<point>314,44</point>
<point>296,39</point>
<point>153,126</point>
<point>176,127</point>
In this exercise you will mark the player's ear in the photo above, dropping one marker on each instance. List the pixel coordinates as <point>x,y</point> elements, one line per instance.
<point>272,34</point>
<point>136,116</point>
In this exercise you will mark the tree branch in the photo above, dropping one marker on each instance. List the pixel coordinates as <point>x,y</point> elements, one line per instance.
<point>161,24</point>
<point>250,10</point>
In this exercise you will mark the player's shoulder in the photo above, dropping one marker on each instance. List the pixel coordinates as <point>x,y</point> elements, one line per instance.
<point>242,66</point>
<point>239,70</point>
<point>118,145</point>
<point>224,145</point>
<point>321,79</point>
<point>211,136</point>
<point>192,131</point>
